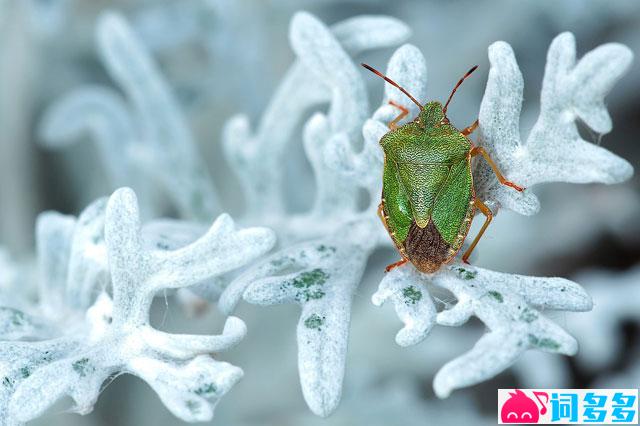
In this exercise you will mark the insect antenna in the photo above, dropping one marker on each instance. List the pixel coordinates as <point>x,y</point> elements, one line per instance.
<point>393,83</point>
<point>444,110</point>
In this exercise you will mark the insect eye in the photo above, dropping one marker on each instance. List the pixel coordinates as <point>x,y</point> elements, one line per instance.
<point>526,414</point>
<point>512,414</point>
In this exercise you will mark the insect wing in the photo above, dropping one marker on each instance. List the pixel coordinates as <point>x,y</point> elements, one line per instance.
<point>396,203</point>
<point>453,202</point>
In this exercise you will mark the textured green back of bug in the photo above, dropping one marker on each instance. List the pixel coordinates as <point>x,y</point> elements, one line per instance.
<point>426,175</point>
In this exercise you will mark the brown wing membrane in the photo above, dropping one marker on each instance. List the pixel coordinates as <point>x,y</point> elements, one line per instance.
<point>426,248</point>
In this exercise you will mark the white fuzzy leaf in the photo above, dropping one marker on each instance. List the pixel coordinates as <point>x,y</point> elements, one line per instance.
<point>412,303</point>
<point>115,336</point>
<point>554,150</point>
<point>321,276</point>
<point>509,306</point>
<point>88,268</point>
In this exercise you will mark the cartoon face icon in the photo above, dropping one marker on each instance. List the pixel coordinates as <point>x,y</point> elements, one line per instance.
<point>519,408</point>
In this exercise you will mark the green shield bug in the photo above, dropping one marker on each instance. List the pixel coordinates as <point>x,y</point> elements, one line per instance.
<point>428,198</point>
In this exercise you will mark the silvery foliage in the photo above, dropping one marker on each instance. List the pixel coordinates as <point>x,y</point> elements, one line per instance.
<point>554,150</point>
<point>139,141</point>
<point>322,272</point>
<point>98,274</point>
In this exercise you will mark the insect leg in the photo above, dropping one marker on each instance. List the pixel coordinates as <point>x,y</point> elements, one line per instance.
<point>381,214</point>
<point>479,150</point>
<point>468,130</point>
<point>395,265</point>
<point>489,216</point>
<point>384,222</point>
<point>403,113</point>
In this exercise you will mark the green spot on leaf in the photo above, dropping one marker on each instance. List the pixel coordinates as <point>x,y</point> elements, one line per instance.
<point>25,372</point>
<point>496,295</point>
<point>206,389</point>
<point>309,278</point>
<point>309,283</point>
<point>162,245</point>
<point>549,344</point>
<point>322,248</point>
<point>282,261</point>
<point>411,295</point>
<point>544,343</point>
<point>18,318</point>
<point>193,406</point>
<point>82,367</point>
<point>466,274</point>
<point>528,315</point>
<point>314,322</point>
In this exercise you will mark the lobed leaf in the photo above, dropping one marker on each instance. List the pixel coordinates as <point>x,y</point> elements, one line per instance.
<point>115,336</point>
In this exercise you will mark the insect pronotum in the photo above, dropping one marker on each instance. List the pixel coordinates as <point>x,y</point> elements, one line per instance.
<point>428,197</point>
